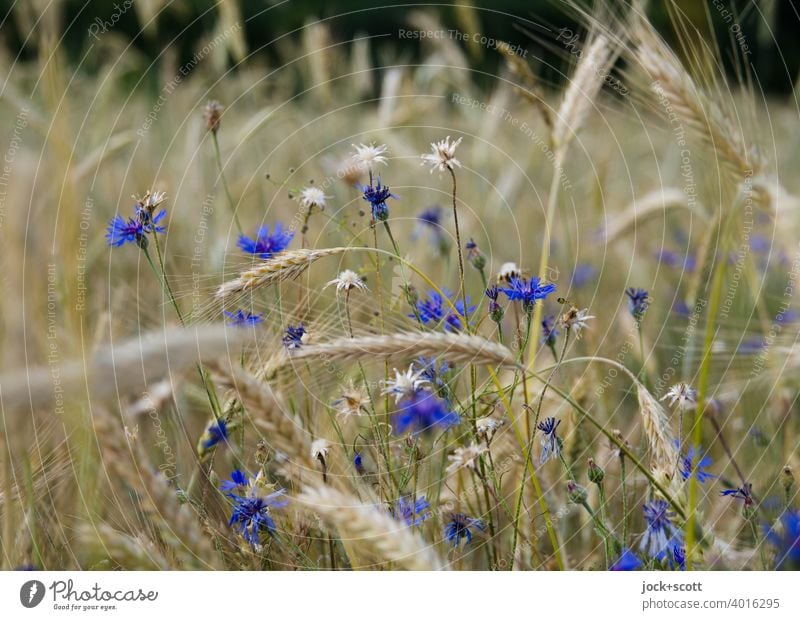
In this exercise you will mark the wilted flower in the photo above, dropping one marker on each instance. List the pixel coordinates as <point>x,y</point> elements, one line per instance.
<point>683,394</point>
<point>346,281</point>
<point>212,113</point>
<point>352,400</point>
<point>575,320</point>
<point>266,244</point>
<point>465,457</point>
<point>551,443</point>
<point>442,156</point>
<point>460,527</point>
<point>487,427</point>
<point>313,197</point>
<point>404,383</point>
<point>366,156</point>
<point>320,449</point>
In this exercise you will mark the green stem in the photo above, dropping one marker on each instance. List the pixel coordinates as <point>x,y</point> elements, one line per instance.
<point>228,196</point>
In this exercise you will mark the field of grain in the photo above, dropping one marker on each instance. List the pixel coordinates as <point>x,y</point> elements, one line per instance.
<point>264,319</point>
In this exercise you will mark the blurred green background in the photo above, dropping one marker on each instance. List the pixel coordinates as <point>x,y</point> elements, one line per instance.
<point>770,29</point>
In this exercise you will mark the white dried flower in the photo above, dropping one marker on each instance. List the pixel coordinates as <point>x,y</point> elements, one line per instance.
<point>508,271</point>
<point>320,449</point>
<point>442,156</point>
<point>352,400</point>
<point>404,383</point>
<point>347,280</point>
<point>151,200</point>
<point>683,394</point>
<point>575,320</point>
<point>311,197</point>
<point>465,457</point>
<point>487,427</point>
<point>366,156</point>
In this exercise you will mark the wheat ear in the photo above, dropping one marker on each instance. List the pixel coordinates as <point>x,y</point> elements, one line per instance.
<point>178,527</point>
<point>284,266</point>
<point>656,428</point>
<point>129,552</point>
<point>372,529</point>
<point>461,348</point>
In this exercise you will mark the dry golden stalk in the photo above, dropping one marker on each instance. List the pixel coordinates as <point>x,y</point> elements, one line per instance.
<point>285,266</point>
<point>370,528</point>
<point>461,348</point>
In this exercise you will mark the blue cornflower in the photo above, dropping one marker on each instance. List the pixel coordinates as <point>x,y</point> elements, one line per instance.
<point>432,370</point>
<point>431,218</point>
<point>266,244</point>
<point>551,443</point>
<point>413,513</point>
<point>293,337</point>
<point>495,309</point>
<point>358,462</point>
<point>377,196</point>
<point>626,561</point>
<point>661,534</point>
<point>216,432</point>
<point>582,274</point>
<point>133,230</point>
<point>251,511</point>
<point>434,309</point>
<point>528,291</point>
<point>786,541</point>
<point>549,331</point>
<point>690,458</point>
<point>751,346</point>
<point>475,257</point>
<point>681,308</point>
<point>744,493</point>
<point>760,244</point>
<point>238,479</point>
<point>422,411</point>
<point>638,300</point>
<point>460,527</point>
<point>678,558</point>
<point>674,259</point>
<point>240,319</point>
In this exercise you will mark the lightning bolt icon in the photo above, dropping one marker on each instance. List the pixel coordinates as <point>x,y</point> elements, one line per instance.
<point>32,593</point>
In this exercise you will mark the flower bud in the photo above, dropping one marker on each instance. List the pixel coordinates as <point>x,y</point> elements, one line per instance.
<point>596,473</point>
<point>576,493</point>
